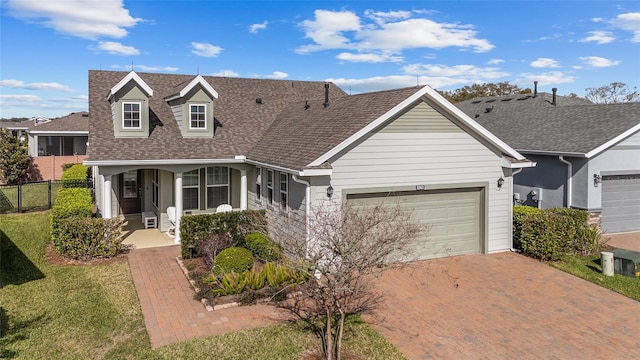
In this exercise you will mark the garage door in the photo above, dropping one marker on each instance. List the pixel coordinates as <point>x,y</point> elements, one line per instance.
<point>452,218</point>
<point>620,203</point>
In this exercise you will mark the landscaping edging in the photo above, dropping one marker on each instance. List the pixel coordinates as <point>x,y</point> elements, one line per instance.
<point>204,301</point>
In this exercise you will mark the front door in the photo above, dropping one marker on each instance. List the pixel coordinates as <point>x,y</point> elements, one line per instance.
<point>130,191</point>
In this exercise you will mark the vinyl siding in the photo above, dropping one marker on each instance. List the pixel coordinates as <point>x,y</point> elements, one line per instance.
<point>422,118</point>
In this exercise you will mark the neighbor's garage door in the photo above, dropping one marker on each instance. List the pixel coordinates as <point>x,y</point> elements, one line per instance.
<point>620,203</point>
<point>452,218</point>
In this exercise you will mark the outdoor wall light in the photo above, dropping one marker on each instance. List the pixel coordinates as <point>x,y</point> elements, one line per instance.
<point>330,191</point>
<point>597,179</point>
<point>500,182</point>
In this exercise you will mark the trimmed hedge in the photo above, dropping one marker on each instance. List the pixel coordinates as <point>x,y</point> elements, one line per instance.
<point>83,238</point>
<point>263,247</point>
<point>75,176</point>
<point>69,202</point>
<point>519,212</point>
<point>233,259</point>
<point>196,228</point>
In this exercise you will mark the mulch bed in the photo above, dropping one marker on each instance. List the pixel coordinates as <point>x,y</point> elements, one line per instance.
<point>53,258</point>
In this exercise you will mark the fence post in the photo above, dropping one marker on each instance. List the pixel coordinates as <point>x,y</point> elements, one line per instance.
<point>19,197</point>
<point>49,192</point>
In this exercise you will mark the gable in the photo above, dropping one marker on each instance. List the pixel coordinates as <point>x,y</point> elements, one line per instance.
<point>421,118</point>
<point>196,99</point>
<point>130,94</point>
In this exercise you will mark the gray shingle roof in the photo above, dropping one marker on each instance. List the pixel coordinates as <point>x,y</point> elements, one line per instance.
<point>73,122</point>
<point>300,136</point>
<point>529,123</point>
<point>243,120</point>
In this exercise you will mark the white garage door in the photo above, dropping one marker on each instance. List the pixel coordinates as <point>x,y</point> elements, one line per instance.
<point>452,218</point>
<point>620,203</point>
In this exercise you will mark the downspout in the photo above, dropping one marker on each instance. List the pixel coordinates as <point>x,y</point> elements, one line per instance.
<point>569,179</point>
<point>307,196</point>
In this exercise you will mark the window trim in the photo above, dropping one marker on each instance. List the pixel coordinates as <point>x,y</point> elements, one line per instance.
<point>197,186</point>
<point>270,193</point>
<point>139,103</point>
<point>284,204</point>
<point>191,127</point>
<point>155,188</point>
<point>207,186</point>
<point>258,184</point>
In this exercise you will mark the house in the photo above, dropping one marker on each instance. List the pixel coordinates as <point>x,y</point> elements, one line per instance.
<point>195,142</point>
<point>587,155</point>
<point>63,136</point>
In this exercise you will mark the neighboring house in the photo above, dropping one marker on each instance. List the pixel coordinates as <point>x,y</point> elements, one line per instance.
<point>587,155</point>
<point>62,136</point>
<point>194,142</point>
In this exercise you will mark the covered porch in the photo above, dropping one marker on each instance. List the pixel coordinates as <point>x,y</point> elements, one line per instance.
<point>138,237</point>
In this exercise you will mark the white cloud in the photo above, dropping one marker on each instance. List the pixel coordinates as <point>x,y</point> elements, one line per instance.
<point>466,72</point>
<point>205,50</point>
<point>599,37</point>
<point>19,84</point>
<point>629,22</point>
<point>385,32</point>
<point>115,48</point>
<point>544,63</point>
<point>495,61</point>
<point>147,68</point>
<point>278,75</point>
<point>20,98</point>
<point>393,81</point>
<point>370,58</point>
<point>226,73</point>
<point>254,28</point>
<point>81,18</point>
<point>597,61</point>
<point>549,78</point>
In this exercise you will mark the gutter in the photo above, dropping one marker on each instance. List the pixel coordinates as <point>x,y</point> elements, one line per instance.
<point>307,196</point>
<point>569,179</point>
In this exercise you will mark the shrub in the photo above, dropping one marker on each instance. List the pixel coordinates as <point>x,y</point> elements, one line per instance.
<point>277,275</point>
<point>210,247</point>
<point>196,228</point>
<point>69,202</point>
<point>235,259</point>
<point>75,176</point>
<point>263,247</point>
<point>518,212</point>
<point>546,235</point>
<point>230,283</point>
<point>83,238</point>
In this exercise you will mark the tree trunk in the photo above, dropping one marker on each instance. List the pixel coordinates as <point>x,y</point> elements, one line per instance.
<point>328,346</point>
<point>339,333</point>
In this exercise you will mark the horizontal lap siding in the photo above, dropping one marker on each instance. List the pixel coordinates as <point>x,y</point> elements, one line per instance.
<point>427,155</point>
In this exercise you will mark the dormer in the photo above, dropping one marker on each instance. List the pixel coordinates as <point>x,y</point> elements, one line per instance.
<point>129,101</point>
<point>192,106</point>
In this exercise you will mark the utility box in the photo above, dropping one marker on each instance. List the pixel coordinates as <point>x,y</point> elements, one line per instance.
<point>626,262</point>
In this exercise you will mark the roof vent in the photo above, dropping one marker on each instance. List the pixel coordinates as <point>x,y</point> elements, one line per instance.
<point>535,88</point>
<point>488,110</point>
<point>258,100</point>
<point>491,100</point>
<point>306,105</point>
<point>85,115</point>
<point>554,90</point>
<point>326,95</point>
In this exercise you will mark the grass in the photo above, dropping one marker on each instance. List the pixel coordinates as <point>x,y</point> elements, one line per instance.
<point>92,312</point>
<point>34,196</point>
<point>589,268</point>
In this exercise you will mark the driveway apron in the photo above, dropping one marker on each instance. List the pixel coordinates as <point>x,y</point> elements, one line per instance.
<point>503,306</point>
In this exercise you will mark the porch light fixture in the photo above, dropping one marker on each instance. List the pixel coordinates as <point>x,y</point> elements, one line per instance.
<point>500,182</point>
<point>597,179</point>
<point>330,191</point>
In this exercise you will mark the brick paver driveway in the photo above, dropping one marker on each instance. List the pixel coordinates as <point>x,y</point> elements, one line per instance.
<point>503,306</point>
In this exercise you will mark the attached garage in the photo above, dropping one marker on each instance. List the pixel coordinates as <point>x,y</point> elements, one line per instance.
<point>620,203</point>
<point>453,219</point>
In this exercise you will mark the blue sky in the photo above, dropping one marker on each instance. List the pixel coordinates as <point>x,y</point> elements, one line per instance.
<point>47,47</point>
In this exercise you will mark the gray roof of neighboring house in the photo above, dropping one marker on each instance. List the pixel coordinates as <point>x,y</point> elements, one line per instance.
<point>244,120</point>
<point>73,122</point>
<point>534,124</point>
<point>301,135</point>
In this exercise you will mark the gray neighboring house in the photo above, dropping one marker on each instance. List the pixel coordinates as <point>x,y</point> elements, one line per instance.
<point>196,142</point>
<point>587,155</point>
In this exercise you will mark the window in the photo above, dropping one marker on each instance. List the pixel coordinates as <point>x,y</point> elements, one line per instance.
<point>191,190</point>
<point>258,183</point>
<point>155,189</point>
<point>284,190</point>
<point>270,186</point>
<point>198,116</point>
<point>217,186</point>
<point>131,115</point>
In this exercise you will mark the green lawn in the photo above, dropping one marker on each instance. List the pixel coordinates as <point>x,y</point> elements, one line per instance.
<point>34,196</point>
<point>589,268</point>
<point>92,312</point>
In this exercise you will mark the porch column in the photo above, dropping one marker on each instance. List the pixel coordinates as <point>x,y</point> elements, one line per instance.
<point>178,202</point>
<point>106,203</point>
<point>243,190</point>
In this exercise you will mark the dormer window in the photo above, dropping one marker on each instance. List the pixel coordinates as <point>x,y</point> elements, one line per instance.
<point>198,117</point>
<point>131,115</point>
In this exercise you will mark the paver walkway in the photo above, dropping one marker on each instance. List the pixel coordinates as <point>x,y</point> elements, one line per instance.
<point>503,306</point>
<point>629,240</point>
<point>170,312</point>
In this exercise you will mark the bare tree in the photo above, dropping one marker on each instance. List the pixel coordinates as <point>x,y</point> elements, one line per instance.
<point>348,249</point>
<point>483,90</point>
<point>616,92</point>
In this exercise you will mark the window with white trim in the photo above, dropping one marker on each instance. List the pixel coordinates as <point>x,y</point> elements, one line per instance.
<point>198,116</point>
<point>217,186</point>
<point>270,186</point>
<point>155,188</point>
<point>284,190</point>
<point>131,115</point>
<point>258,183</point>
<point>191,190</point>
